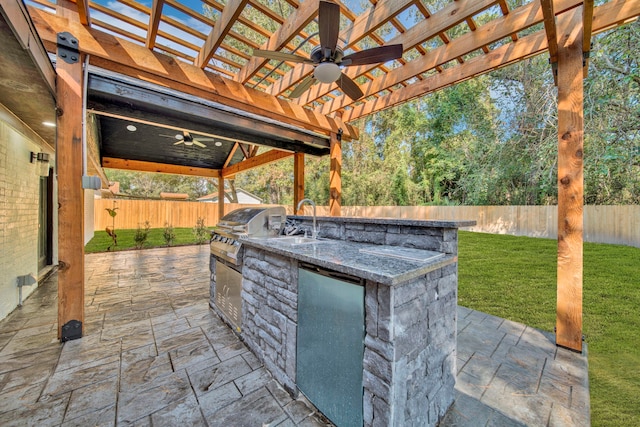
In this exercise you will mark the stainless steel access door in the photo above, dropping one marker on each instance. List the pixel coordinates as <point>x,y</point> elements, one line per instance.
<point>331,344</point>
<point>228,289</point>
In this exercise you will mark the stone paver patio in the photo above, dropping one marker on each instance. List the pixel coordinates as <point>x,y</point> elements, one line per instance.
<point>153,353</point>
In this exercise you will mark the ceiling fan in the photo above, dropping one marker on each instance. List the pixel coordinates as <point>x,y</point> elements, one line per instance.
<point>328,58</point>
<point>188,140</point>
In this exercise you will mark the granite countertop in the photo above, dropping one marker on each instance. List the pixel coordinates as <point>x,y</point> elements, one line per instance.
<point>392,221</point>
<point>389,265</point>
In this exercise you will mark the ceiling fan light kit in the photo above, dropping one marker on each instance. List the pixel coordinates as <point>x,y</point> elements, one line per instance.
<point>327,72</point>
<point>328,58</point>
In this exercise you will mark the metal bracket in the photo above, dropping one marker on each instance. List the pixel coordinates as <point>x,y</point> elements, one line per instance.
<point>585,58</point>
<point>68,48</point>
<point>72,330</point>
<point>339,136</point>
<point>554,68</point>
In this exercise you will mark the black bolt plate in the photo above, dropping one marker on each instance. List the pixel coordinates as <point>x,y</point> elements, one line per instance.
<point>72,330</point>
<point>68,48</point>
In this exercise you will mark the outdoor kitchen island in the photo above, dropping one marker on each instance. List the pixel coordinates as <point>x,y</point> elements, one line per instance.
<point>370,308</point>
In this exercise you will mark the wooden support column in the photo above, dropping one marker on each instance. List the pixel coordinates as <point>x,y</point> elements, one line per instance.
<point>298,180</point>
<point>220,197</point>
<point>69,93</point>
<point>335,175</point>
<point>570,184</point>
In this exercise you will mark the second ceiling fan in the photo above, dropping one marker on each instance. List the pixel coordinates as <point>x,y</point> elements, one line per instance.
<point>328,58</point>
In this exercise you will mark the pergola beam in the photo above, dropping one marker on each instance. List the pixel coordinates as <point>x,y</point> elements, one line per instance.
<point>83,12</point>
<point>155,15</point>
<point>552,35</point>
<point>253,162</point>
<point>137,61</point>
<point>587,23</point>
<point>607,15</point>
<point>223,25</point>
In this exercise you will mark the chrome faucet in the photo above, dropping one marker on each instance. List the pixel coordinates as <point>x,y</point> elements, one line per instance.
<point>314,233</point>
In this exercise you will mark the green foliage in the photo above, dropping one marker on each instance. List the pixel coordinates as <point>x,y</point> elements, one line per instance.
<point>111,231</point>
<point>155,238</point>
<point>168,234</point>
<point>142,234</point>
<point>200,231</point>
<point>491,280</point>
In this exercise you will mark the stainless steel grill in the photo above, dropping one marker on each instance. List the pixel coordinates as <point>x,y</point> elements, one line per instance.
<point>245,222</point>
<point>227,254</point>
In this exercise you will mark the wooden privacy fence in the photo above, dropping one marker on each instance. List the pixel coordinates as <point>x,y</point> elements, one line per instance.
<point>602,224</point>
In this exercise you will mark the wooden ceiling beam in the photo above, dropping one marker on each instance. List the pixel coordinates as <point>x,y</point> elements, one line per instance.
<point>137,61</point>
<point>253,162</point>
<point>295,23</point>
<point>229,15</point>
<point>155,16</point>
<point>138,165</point>
<point>363,25</point>
<point>523,17</point>
<point>448,17</point>
<point>610,14</point>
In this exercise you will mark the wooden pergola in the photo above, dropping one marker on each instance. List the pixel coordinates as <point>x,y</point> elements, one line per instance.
<point>207,54</point>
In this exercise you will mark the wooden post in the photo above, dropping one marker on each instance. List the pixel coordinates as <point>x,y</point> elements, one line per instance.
<point>570,184</point>
<point>220,197</point>
<point>335,175</point>
<point>69,92</point>
<point>298,180</point>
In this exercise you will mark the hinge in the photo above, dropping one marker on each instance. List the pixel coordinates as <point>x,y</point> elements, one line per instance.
<point>68,48</point>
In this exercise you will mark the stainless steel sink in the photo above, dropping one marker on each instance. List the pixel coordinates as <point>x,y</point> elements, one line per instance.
<point>299,240</point>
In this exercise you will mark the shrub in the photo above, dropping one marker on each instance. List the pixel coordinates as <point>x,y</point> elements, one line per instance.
<point>168,234</point>
<point>142,234</point>
<point>200,231</point>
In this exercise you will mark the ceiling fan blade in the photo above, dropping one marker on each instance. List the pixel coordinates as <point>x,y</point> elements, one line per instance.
<point>374,55</point>
<point>305,84</point>
<point>349,87</point>
<point>179,142</point>
<point>329,27</point>
<point>198,143</point>
<point>281,56</point>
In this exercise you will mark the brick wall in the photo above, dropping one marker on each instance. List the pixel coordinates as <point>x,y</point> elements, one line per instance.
<point>19,199</point>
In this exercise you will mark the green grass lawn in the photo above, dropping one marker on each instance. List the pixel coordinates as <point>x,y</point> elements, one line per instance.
<point>515,278</point>
<point>101,240</point>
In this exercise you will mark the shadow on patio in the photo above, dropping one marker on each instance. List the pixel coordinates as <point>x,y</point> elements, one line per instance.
<point>153,353</point>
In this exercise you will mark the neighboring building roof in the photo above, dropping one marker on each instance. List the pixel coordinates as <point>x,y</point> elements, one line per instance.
<point>244,197</point>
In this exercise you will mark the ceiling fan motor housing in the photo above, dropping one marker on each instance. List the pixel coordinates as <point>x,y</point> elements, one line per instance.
<point>317,55</point>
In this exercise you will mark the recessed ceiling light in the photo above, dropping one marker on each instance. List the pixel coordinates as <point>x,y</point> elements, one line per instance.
<point>49,124</point>
<point>179,136</point>
<point>131,128</point>
<point>218,144</point>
